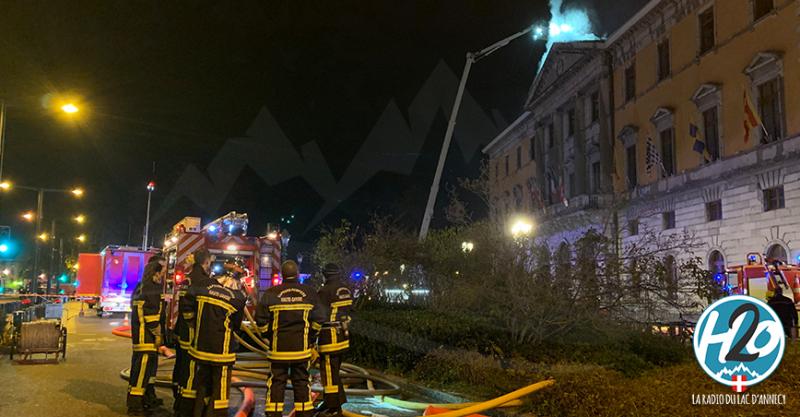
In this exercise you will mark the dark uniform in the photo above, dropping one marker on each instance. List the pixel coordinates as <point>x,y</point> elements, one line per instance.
<point>288,316</point>
<point>183,373</point>
<point>785,309</point>
<point>334,340</point>
<point>145,335</point>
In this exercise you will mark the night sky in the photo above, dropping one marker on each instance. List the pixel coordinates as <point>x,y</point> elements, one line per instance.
<point>170,81</point>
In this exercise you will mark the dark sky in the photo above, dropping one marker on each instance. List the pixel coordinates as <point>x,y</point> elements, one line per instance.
<point>170,81</point>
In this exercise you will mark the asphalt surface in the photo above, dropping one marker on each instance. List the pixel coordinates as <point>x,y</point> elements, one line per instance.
<point>88,384</point>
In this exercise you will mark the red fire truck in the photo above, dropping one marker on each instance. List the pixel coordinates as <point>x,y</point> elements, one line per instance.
<point>758,278</point>
<point>226,238</point>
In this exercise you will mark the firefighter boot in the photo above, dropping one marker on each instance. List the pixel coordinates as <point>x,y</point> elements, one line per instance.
<point>150,399</point>
<point>135,405</point>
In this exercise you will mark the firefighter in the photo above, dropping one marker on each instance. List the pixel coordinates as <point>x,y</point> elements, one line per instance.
<point>146,338</point>
<point>289,316</point>
<point>183,372</point>
<point>334,339</point>
<point>785,309</point>
<point>218,311</point>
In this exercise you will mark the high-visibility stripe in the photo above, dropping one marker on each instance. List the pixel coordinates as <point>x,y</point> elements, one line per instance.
<point>274,330</point>
<point>306,406</point>
<point>136,391</point>
<point>334,347</point>
<point>188,316</point>
<point>316,326</point>
<point>220,404</point>
<point>338,304</point>
<point>190,381</point>
<point>200,305</point>
<point>212,357</point>
<point>142,371</point>
<point>284,307</point>
<point>329,388</point>
<point>297,355</point>
<point>305,329</point>
<point>217,302</point>
<point>273,407</point>
<point>226,344</point>
<point>223,394</point>
<point>264,328</point>
<point>151,318</point>
<point>145,347</point>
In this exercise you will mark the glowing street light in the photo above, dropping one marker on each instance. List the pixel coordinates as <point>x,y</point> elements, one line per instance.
<point>80,219</point>
<point>81,238</point>
<point>77,192</point>
<point>5,185</point>
<point>521,228</point>
<point>467,247</point>
<point>28,216</point>
<point>43,237</point>
<point>70,108</point>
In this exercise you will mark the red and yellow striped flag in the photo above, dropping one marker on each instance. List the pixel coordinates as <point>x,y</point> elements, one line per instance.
<point>751,118</point>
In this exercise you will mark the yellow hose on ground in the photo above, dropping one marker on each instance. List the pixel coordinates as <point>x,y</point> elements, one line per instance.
<point>486,404</point>
<point>413,405</point>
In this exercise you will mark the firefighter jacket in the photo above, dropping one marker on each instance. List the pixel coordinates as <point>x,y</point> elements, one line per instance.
<point>336,299</point>
<point>184,332</point>
<point>145,315</point>
<point>218,313</point>
<point>289,317</point>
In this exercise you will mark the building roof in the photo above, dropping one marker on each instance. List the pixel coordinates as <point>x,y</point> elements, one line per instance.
<point>499,138</point>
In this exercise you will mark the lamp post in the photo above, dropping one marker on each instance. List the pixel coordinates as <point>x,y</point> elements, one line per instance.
<point>151,186</point>
<point>77,192</point>
<point>472,57</point>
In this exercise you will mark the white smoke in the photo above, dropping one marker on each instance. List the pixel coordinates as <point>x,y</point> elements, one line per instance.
<point>566,25</point>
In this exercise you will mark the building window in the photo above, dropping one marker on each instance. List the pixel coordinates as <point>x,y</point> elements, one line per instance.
<point>596,177</point>
<point>532,150</point>
<point>663,60</point>
<point>506,165</point>
<point>633,227</point>
<point>668,151</point>
<point>570,122</point>
<point>496,171</point>
<point>716,262</point>
<point>630,82</point>
<point>551,133</point>
<point>707,39</point>
<point>778,252</point>
<point>769,99</point>
<point>711,132</point>
<point>518,197</point>
<point>714,210</point>
<point>630,163</point>
<point>761,8</point>
<point>519,157</point>
<point>668,219</point>
<point>773,198</point>
<point>595,106</point>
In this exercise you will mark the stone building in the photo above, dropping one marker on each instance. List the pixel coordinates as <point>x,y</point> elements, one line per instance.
<point>674,77</point>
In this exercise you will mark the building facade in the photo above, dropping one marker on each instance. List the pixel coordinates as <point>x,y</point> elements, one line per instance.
<point>671,145</point>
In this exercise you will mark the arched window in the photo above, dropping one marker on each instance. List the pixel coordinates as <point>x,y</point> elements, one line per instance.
<point>777,251</point>
<point>716,262</point>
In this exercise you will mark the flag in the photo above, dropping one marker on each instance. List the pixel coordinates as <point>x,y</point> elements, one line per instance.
<point>557,185</point>
<point>536,194</point>
<point>652,157</point>
<point>699,142</point>
<point>751,118</point>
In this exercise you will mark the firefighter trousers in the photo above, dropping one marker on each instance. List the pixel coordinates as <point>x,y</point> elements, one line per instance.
<point>142,377</point>
<point>212,382</point>
<point>334,396</point>
<point>180,372</point>
<point>187,388</point>
<point>276,387</point>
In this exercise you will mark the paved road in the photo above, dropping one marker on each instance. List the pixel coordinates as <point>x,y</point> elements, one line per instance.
<point>87,383</point>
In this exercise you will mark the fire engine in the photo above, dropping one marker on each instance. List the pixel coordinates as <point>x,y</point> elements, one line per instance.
<point>759,277</point>
<point>226,238</point>
<point>110,276</point>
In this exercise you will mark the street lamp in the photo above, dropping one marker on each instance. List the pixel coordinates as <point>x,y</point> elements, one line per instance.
<point>472,57</point>
<point>43,236</point>
<point>151,186</point>
<point>77,192</point>
<point>80,219</point>
<point>521,228</point>
<point>5,185</point>
<point>81,238</point>
<point>467,247</point>
<point>69,108</point>
<point>28,216</point>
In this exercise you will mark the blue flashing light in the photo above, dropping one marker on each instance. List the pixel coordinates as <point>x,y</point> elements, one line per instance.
<point>218,268</point>
<point>752,258</point>
<point>2,290</point>
<point>357,275</point>
<point>798,258</point>
<point>3,248</point>
<point>230,229</point>
<point>719,277</point>
<point>63,278</point>
<point>212,228</point>
<point>76,283</point>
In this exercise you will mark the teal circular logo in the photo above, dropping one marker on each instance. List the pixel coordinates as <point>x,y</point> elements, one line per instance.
<point>739,341</point>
